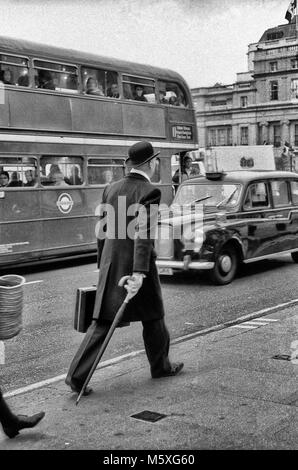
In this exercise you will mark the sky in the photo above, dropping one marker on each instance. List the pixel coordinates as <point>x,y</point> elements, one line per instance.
<point>206,41</point>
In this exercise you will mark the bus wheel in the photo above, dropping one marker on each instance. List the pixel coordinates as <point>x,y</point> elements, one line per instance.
<point>225,267</point>
<point>295,256</point>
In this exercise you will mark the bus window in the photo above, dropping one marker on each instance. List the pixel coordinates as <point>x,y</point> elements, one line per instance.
<point>105,171</point>
<point>139,88</point>
<point>156,177</point>
<point>18,171</point>
<point>172,94</point>
<point>54,76</point>
<point>61,171</point>
<point>100,82</point>
<point>14,70</point>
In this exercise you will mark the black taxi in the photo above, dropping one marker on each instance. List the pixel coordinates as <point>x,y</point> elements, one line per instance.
<point>222,219</point>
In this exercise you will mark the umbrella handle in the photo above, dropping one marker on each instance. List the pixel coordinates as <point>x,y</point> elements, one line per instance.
<point>121,283</point>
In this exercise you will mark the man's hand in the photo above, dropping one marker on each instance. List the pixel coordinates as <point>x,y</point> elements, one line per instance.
<point>134,283</point>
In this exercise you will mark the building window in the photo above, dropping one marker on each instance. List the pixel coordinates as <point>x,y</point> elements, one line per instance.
<point>273,91</point>
<point>273,66</point>
<point>218,103</point>
<point>229,135</point>
<point>212,137</point>
<point>276,135</point>
<point>296,135</point>
<point>273,36</point>
<point>243,135</point>
<point>294,88</point>
<point>220,136</point>
<point>243,101</point>
<point>294,63</point>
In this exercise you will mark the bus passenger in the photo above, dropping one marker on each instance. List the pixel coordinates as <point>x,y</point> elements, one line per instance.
<point>58,179</point>
<point>74,176</point>
<point>139,93</point>
<point>29,175</point>
<point>15,180</point>
<point>23,80</point>
<point>93,88</point>
<point>4,179</point>
<point>7,77</point>
<point>162,97</point>
<point>45,80</point>
<point>108,176</point>
<point>187,171</point>
<point>113,92</point>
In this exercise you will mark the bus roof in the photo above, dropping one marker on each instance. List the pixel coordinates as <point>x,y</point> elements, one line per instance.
<point>22,47</point>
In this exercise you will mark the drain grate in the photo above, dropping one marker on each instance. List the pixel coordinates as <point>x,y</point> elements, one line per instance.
<point>151,416</point>
<point>282,357</point>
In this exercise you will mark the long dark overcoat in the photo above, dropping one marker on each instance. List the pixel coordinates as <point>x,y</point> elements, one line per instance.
<point>119,254</point>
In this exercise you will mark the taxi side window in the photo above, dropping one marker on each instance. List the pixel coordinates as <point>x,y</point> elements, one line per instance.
<point>280,193</point>
<point>256,196</point>
<point>294,191</point>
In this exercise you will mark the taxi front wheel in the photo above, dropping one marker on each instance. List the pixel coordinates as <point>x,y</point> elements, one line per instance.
<point>295,256</point>
<point>225,267</point>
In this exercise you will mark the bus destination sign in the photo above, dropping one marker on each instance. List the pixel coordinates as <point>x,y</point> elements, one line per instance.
<point>182,132</point>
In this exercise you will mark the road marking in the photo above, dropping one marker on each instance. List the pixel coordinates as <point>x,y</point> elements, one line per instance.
<point>181,339</point>
<point>267,319</point>
<point>249,327</point>
<point>31,282</point>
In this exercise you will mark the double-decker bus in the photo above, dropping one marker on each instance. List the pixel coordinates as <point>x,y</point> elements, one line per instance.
<point>67,119</point>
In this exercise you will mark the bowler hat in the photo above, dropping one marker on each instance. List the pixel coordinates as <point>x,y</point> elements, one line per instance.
<point>140,153</point>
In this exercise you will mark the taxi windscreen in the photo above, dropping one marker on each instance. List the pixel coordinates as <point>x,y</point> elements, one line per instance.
<point>216,194</point>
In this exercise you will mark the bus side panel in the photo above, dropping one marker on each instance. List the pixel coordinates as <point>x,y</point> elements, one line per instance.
<point>40,111</point>
<point>4,108</point>
<point>97,116</point>
<point>20,228</point>
<point>65,215</point>
<point>144,121</point>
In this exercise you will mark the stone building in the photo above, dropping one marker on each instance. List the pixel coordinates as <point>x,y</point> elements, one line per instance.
<point>262,105</point>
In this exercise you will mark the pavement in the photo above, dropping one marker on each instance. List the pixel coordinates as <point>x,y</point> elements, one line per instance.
<point>232,394</point>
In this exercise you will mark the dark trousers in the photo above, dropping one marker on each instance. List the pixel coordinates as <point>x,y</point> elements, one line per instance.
<point>7,418</point>
<point>156,340</point>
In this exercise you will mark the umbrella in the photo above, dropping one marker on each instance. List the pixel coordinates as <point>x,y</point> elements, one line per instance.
<point>102,349</point>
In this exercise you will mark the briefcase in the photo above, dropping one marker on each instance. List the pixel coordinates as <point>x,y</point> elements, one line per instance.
<point>83,315</point>
<point>85,301</point>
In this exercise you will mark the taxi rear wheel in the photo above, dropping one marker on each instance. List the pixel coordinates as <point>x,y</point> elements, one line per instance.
<point>295,256</point>
<point>226,265</point>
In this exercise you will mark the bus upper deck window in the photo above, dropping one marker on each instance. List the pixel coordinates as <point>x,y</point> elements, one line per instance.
<point>172,94</point>
<point>14,70</point>
<point>54,76</point>
<point>97,82</point>
<point>139,88</point>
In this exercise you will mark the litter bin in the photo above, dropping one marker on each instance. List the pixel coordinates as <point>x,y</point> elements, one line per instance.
<point>11,305</point>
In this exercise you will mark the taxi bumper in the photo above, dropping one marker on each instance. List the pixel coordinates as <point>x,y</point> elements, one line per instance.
<point>180,265</point>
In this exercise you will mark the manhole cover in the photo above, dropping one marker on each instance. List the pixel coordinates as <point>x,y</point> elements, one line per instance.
<point>282,357</point>
<point>151,416</point>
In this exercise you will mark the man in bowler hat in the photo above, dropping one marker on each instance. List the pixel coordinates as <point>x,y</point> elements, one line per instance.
<point>122,255</point>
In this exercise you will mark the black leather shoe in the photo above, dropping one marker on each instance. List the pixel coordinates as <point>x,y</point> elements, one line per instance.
<point>23,422</point>
<point>175,369</point>
<point>77,390</point>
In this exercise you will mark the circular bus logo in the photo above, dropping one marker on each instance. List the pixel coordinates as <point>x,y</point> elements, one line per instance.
<point>64,203</point>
